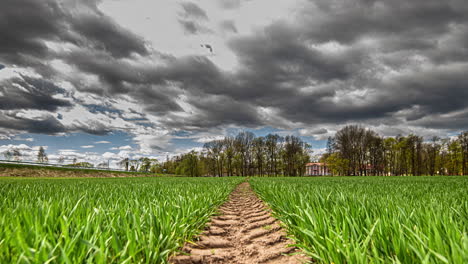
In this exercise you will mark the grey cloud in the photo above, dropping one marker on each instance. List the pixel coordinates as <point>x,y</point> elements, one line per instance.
<point>275,65</point>
<point>451,47</point>
<point>457,121</point>
<point>156,99</point>
<point>191,19</point>
<point>100,32</point>
<point>319,131</point>
<point>280,59</point>
<point>279,55</point>
<point>348,21</point>
<point>120,76</point>
<point>229,4</point>
<point>195,73</point>
<point>48,125</point>
<point>190,27</point>
<point>215,111</point>
<point>93,127</point>
<point>368,61</point>
<point>192,10</point>
<point>435,91</point>
<point>111,71</point>
<point>439,90</point>
<point>228,26</point>
<point>30,93</point>
<point>193,27</point>
<point>25,25</point>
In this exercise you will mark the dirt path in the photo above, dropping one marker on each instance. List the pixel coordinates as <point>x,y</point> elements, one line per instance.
<point>245,232</point>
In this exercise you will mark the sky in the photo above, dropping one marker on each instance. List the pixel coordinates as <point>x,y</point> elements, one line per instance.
<point>101,80</point>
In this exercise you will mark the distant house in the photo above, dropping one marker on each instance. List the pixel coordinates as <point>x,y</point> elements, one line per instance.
<point>317,169</point>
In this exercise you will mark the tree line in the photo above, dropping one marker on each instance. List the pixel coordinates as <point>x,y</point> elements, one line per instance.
<point>244,155</point>
<point>143,164</point>
<point>355,150</point>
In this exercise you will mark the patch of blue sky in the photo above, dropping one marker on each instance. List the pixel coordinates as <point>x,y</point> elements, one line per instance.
<point>185,143</point>
<point>93,108</point>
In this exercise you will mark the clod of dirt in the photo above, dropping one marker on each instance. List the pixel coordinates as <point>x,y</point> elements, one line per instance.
<point>244,233</point>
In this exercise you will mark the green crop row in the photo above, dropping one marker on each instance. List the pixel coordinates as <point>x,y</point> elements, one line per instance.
<point>373,219</point>
<point>124,220</point>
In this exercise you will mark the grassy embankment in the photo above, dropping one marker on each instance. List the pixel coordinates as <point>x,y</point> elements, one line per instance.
<point>21,170</point>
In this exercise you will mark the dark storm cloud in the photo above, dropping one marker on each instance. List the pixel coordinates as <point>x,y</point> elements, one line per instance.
<point>48,125</point>
<point>192,73</point>
<point>411,31</point>
<point>453,47</point>
<point>102,33</point>
<point>458,121</point>
<point>439,90</point>
<point>274,64</point>
<point>278,58</point>
<point>348,21</point>
<point>156,99</point>
<point>111,71</point>
<point>30,93</point>
<point>25,25</point>
<point>278,61</point>
<point>436,91</point>
<point>367,61</point>
<point>148,82</point>
<point>195,74</point>
<point>284,66</point>
<point>28,28</point>
<point>217,110</point>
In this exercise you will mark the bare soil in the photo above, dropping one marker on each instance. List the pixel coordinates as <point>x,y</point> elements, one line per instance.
<point>244,232</point>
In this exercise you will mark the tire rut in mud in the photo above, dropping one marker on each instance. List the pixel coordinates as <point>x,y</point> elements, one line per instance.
<point>243,233</point>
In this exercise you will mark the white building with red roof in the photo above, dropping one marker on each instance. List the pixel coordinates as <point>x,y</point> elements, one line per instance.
<point>317,169</point>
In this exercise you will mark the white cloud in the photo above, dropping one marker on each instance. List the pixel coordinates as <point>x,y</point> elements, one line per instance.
<point>206,139</point>
<point>87,146</point>
<point>19,147</point>
<point>127,147</point>
<point>102,142</point>
<point>30,139</point>
<point>28,153</point>
<point>110,155</point>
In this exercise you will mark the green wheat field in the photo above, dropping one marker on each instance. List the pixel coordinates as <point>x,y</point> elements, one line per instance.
<point>145,220</point>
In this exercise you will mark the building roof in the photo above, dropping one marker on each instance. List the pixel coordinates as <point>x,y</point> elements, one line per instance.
<point>315,163</point>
